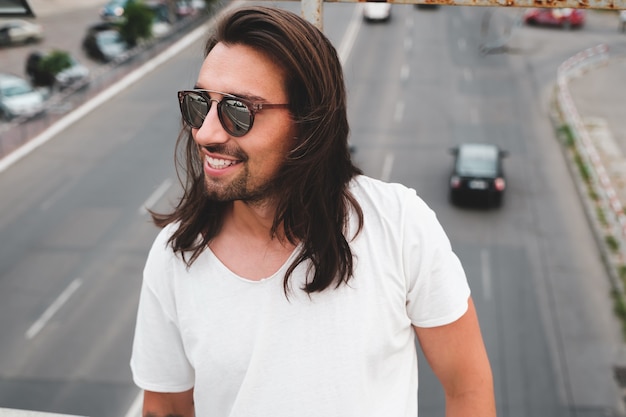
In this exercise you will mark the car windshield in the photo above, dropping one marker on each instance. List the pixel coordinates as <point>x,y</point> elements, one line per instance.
<point>15,90</point>
<point>477,161</point>
<point>108,38</point>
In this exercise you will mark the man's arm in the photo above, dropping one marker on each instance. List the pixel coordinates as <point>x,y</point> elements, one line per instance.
<point>168,404</point>
<point>457,355</point>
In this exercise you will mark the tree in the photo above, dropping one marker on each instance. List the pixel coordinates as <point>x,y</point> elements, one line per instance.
<point>137,23</point>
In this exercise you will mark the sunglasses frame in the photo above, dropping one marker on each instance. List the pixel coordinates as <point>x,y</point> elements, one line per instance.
<point>253,107</point>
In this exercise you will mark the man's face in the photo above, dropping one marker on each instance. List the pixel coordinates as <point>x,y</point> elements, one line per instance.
<point>243,168</point>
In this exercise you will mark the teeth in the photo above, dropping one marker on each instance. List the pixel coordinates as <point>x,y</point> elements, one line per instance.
<point>219,163</point>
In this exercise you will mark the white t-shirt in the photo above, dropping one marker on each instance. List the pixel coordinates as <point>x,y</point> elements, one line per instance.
<point>249,351</point>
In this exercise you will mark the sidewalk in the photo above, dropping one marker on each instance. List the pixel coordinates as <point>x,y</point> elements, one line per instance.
<point>50,7</point>
<point>600,97</point>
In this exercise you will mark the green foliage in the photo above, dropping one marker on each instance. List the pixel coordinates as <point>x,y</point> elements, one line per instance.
<point>601,217</point>
<point>137,24</point>
<point>566,132</point>
<point>55,62</point>
<point>621,270</point>
<point>612,243</point>
<point>619,307</point>
<point>582,167</point>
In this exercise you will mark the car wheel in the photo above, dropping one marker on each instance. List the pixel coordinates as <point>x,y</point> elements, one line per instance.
<point>453,198</point>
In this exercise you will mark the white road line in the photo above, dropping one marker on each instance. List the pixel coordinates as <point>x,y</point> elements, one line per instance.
<point>467,74</point>
<point>155,196</point>
<point>55,196</point>
<point>404,72</point>
<point>137,406</point>
<point>387,165</point>
<point>350,36</point>
<point>399,111</point>
<point>54,307</point>
<point>486,273</point>
<point>408,44</point>
<point>474,115</point>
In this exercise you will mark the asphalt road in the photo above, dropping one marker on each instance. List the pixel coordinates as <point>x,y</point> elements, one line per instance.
<point>73,235</point>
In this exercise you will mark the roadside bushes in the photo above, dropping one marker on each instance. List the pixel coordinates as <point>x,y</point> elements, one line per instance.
<point>137,24</point>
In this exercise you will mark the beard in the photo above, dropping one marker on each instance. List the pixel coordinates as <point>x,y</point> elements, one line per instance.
<point>240,189</point>
<point>244,187</point>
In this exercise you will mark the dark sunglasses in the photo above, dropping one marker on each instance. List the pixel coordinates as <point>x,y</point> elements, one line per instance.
<point>236,114</point>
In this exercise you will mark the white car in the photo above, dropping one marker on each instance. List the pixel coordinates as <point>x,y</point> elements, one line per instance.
<point>17,31</point>
<point>375,11</point>
<point>18,97</point>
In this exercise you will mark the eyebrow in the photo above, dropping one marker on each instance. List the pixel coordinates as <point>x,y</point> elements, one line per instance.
<point>249,97</point>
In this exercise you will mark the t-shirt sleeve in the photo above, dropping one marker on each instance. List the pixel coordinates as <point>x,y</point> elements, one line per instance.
<point>158,362</point>
<point>437,288</point>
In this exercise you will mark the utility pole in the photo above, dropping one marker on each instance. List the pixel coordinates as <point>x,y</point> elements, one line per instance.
<point>313,11</point>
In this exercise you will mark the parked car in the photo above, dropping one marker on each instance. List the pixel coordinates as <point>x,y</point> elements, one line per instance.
<point>161,22</point>
<point>18,97</point>
<point>69,71</point>
<point>375,11</point>
<point>477,174</point>
<point>622,20</point>
<point>565,18</point>
<point>19,31</point>
<point>186,8</point>
<point>113,10</point>
<point>104,42</point>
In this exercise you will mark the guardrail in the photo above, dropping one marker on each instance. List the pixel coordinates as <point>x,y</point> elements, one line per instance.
<point>608,199</point>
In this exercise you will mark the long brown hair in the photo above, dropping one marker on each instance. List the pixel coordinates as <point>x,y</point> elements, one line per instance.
<point>314,201</point>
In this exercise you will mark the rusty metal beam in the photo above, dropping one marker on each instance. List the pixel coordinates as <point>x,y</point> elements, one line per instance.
<point>575,4</point>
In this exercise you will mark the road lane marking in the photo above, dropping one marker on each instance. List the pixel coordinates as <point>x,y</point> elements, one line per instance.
<point>474,115</point>
<point>408,44</point>
<point>404,72</point>
<point>155,196</point>
<point>387,165</point>
<point>399,112</point>
<point>467,74</point>
<point>52,310</point>
<point>137,406</point>
<point>350,36</point>
<point>486,273</point>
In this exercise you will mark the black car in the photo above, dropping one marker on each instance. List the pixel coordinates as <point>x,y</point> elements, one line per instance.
<point>104,42</point>
<point>477,175</point>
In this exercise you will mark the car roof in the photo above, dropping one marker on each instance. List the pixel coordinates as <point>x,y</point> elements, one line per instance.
<point>10,79</point>
<point>478,150</point>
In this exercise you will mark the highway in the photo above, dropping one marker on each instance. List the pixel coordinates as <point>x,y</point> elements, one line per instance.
<point>74,235</point>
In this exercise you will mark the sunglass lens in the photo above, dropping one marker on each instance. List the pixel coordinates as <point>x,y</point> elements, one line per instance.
<point>235,116</point>
<point>195,108</point>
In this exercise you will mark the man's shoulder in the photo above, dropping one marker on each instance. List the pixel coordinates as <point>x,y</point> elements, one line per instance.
<point>363,186</point>
<point>376,196</point>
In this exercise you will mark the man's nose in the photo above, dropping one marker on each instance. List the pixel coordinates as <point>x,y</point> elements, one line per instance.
<point>211,130</point>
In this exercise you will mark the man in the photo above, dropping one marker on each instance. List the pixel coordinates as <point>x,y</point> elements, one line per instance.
<point>285,283</point>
